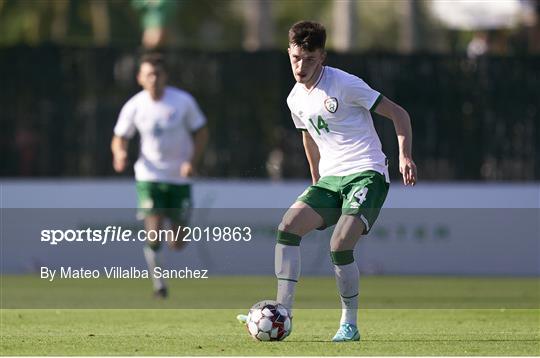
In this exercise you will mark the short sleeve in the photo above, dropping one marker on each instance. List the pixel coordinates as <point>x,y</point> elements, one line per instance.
<point>125,126</point>
<point>296,120</point>
<point>356,92</point>
<point>298,123</point>
<point>195,118</point>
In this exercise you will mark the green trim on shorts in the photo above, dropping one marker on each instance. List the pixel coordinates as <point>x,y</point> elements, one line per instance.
<point>170,200</point>
<point>360,194</point>
<point>342,257</point>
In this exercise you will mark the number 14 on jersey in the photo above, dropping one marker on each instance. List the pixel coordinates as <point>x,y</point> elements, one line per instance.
<point>321,124</point>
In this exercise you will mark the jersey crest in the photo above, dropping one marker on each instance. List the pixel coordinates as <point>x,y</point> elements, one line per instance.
<point>331,104</point>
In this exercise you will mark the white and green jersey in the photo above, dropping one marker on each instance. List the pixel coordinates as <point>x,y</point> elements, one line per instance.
<point>336,113</point>
<point>165,128</point>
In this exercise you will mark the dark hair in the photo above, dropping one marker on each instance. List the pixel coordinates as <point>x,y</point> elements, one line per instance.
<point>308,35</point>
<point>154,58</point>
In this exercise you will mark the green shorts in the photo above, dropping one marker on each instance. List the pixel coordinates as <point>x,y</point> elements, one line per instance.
<point>170,200</point>
<point>361,194</point>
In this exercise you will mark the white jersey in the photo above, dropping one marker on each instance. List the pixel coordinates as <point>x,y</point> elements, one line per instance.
<point>336,113</point>
<point>165,128</point>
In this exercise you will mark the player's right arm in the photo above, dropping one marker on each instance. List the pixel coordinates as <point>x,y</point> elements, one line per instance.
<point>312,154</point>
<point>119,148</point>
<point>312,151</point>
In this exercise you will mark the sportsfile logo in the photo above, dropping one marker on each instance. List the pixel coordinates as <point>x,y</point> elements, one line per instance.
<point>109,234</point>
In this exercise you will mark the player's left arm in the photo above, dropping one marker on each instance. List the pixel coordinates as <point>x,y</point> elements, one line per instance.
<point>200,139</point>
<point>196,123</point>
<point>402,125</point>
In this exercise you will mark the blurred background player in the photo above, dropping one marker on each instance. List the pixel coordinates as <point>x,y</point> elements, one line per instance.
<point>156,16</point>
<point>173,136</point>
<point>348,168</point>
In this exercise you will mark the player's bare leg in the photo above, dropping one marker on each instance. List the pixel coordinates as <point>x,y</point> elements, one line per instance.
<point>300,219</point>
<point>151,254</point>
<point>344,238</point>
<point>177,244</point>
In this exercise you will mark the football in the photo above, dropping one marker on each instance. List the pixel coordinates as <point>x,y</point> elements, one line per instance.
<point>268,321</point>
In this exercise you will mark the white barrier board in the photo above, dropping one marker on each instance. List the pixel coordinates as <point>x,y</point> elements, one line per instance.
<point>463,229</point>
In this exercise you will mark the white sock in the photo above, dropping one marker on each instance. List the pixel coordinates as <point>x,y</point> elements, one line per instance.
<point>287,269</point>
<point>152,261</point>
<point>347,278</point>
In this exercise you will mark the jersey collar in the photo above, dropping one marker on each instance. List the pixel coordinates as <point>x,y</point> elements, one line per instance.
<point>316,83</point>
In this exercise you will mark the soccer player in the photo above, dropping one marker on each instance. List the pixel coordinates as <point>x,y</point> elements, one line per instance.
<point>332,109</point>
<point>173,136</point>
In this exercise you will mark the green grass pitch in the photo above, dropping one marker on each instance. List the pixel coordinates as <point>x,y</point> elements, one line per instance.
<point>398,316</point>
